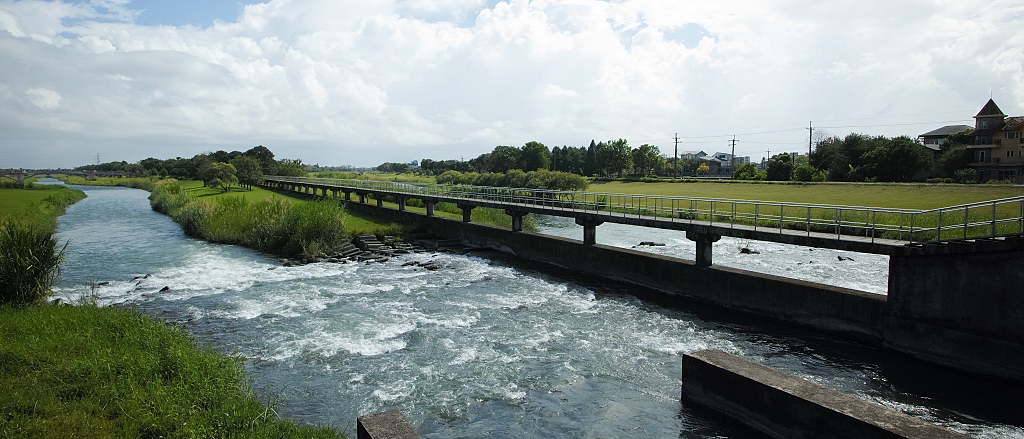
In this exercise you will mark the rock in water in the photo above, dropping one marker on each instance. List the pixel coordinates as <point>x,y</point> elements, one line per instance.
<point>165,289</point>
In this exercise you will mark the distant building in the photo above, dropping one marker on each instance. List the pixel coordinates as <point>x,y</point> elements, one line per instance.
<point>692,155</point>
<point>998,144</point>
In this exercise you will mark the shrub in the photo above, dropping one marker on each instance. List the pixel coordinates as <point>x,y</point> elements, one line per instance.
<point>30,259</point>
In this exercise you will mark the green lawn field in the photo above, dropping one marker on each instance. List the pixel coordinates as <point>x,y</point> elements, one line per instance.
<point>907,196</point>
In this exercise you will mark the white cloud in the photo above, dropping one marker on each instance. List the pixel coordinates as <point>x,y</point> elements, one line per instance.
<point>359,82</point>
<point>43,98</point>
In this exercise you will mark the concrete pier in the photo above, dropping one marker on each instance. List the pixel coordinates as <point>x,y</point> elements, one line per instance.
<point>385,425</point>
<point>784,406</point>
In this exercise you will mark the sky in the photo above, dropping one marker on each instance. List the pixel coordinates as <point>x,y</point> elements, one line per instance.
<point>361,82</point>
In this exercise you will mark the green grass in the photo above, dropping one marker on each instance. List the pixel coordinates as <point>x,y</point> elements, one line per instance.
<point>906,196</point>
<point>92,372</point>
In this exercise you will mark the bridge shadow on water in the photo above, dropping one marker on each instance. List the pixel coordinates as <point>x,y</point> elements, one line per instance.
<point>941,395</point>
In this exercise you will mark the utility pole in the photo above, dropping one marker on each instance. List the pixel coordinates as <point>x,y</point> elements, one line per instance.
<point>676,157</point>
<point>732,156</point>
<point>97,159</point>
<point>810,136</point>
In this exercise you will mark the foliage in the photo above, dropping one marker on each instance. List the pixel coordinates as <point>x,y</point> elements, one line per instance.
<point>703,169</point>
<point>273,225</point>
<point>89,372</point>
<point>615,156</point>
<point>219,174</point>
<point>290,168</point>
<point>748,171</point>
<point>551,180</point>
<point>396,168</point>
<point>965,176</point>
<point>30,259</point>
<point>858,157</point>
<point>896,159</point>
<point>647,159</point>
<point>248,170</point>
<point>806,172</point>
<point>780,167</point>
<point>534,156</point>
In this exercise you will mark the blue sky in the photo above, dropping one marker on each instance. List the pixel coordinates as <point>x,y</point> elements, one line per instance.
<point>182,12</point>
<point>354,82</point>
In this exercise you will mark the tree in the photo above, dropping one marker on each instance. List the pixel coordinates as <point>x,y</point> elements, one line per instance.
<point>615,156</point>
<point>647,159</point>
<point>806,172</point>
<point>504,158</point>
<point>703,169</point>
<point>248,171</point>
<point>748,171</point>
<point>534,156</point>
<point>955,154</point>
<point>896,159</point>
<point>220,174</point>
<point>290,168</point>
<point>590,161</point>
<point>264,156</point>
<point>780,167</point>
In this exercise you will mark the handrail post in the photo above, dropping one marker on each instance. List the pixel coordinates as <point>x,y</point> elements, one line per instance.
<point>808,220</point>
<point>993,234</point>
<point>967,216</point>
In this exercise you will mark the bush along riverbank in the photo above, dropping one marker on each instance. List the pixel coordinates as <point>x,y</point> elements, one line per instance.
<point>273,225</point>
<point>30,256</point>
<point>93,372</point>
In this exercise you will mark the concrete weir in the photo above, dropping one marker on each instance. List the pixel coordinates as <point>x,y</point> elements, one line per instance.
<point>845,312</point>
<point>784,406</point>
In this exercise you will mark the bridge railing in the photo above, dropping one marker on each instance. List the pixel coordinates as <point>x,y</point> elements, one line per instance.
<point>988,219</point>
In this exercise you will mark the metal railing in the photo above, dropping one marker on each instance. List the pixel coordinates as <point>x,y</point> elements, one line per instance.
<point>987,219</point>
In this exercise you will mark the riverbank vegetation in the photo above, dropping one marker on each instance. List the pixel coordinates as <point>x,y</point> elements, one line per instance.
<point>110,372</point>
<point>30,256</point>
<point>272,225</point>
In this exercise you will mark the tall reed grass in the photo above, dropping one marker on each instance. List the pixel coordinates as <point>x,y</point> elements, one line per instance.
<point>30,259</point>
<point>275,225</point>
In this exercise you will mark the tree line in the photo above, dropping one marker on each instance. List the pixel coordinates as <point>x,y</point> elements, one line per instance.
<point>600,159</point>
<point>215,169</point>
<point>856,157</point>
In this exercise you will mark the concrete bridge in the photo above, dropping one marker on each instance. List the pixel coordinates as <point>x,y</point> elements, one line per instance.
<point>20,175</point>
<point>984,226</point>
<point>955,274</point>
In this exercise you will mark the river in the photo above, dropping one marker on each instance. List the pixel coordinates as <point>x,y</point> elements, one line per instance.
<point>487,346</point>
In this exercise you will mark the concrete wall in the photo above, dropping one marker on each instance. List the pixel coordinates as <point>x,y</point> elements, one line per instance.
<point>784,406</point>
<point>964,310</point>
<point>841,311</point>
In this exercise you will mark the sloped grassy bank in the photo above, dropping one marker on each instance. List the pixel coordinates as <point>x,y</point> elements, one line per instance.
<point>84,371</point>
<point>111,372</point>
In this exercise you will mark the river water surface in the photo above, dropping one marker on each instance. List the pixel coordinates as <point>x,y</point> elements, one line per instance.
<point>487,346</point>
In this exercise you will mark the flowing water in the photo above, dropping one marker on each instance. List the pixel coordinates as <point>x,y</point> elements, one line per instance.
<point>487,346</point>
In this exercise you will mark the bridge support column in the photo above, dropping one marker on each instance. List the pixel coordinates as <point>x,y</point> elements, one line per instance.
<point>704,243</point>
<point>517,219</point>
<point>589,229</point>
<point>430,207</point>
<point>348,195</point>
<point>467,213</point>
<point>362,197</point>
<point>380,199</point>
<point>401,202</point>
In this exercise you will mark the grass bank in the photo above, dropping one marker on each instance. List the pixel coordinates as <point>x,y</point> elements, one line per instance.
<point>906,195</point>
<point>106,372</point>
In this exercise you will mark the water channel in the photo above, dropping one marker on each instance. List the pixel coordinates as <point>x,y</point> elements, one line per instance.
<point>489,346</point>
